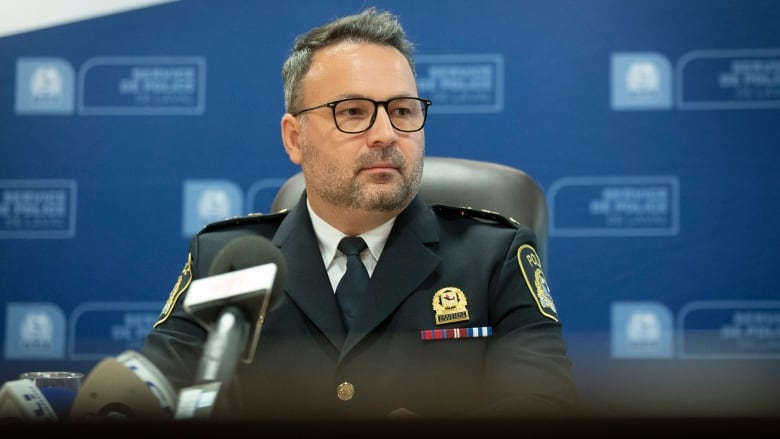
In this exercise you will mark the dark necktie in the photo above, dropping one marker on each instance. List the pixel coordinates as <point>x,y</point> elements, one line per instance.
<point>352,285</point>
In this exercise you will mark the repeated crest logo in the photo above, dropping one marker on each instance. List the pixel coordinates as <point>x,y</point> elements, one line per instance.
<point>643,77</point>
<point>643,327</point>
<point>44,86</point>
<point>641,81</point>
<point>642,330</point>
<point>34,330</point>
<point>207,201</point>
<point>214,204</point>
<point>46,83</point>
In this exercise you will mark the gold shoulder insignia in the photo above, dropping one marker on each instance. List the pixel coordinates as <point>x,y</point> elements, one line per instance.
<point>480,214</point>
<point>182,283</point>
<point>531,266</point>
<point>252,218</point>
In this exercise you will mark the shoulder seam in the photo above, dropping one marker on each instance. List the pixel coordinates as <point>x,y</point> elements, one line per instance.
<point>252,218</point>
<point>480,214</point>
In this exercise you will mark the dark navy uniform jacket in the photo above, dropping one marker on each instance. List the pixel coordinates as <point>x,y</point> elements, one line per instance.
<point>442,268</point>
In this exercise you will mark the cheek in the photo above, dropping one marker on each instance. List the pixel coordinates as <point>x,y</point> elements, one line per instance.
<point>329,145</point>
<point>414,147</point>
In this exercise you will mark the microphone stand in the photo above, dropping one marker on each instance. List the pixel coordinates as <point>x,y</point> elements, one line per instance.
<point>226,341</point>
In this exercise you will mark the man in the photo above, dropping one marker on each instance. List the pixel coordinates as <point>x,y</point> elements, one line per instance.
<point>354,124</point>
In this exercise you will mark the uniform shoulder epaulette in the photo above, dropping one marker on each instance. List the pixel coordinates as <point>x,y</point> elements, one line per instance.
<point>480,214</point>
<point>252,218</point>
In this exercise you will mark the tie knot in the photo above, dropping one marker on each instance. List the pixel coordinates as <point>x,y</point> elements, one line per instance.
<point>352,245</point>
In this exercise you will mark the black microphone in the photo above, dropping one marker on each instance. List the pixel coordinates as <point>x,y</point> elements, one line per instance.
<point>231,302</point>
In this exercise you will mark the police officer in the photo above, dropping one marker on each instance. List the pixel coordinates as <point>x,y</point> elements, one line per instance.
<point>457,318</point>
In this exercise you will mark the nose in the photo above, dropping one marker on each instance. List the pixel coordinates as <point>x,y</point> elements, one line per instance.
<point>382,132</point>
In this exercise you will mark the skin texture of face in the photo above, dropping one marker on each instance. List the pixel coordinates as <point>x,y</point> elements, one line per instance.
<point>355,182</point>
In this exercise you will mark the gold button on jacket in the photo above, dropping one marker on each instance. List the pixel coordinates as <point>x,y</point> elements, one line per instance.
<point>345,391</point>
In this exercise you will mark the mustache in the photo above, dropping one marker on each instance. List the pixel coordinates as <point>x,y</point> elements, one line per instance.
<point>384,155</point>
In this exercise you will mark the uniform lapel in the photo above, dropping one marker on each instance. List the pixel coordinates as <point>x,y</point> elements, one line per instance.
<point>307,282</point>
<point>406,262</point>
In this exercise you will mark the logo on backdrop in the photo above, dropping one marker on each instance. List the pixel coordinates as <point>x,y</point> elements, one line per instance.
<point>160,85</point>
<point>44,86</point>
<point>34,331</point>
<point>31,209</point>
<point>729,79</point>
<point>147,86</point>
<point>641,330</point>
<point>615,206</point>
<point>739,329</point>
<point>207,201</point>
<point>704,79</point>
<point>640,81</point>
<point>462,83</point>
<point>733,330</point>
<point>101,329</point>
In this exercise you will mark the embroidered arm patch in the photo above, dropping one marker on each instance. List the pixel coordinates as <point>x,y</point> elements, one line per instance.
<point>182,283</point>
<point>531,267</point>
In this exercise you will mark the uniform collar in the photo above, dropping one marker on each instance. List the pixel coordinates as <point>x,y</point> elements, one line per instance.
<point>328,238</point>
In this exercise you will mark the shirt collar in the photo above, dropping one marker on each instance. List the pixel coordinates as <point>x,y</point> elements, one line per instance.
<point>328,237</point>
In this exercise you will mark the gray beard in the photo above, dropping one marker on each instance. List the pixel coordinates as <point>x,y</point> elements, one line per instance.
<point>351,194</point>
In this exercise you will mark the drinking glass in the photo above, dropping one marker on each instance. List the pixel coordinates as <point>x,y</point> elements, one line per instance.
<point>59,387</point>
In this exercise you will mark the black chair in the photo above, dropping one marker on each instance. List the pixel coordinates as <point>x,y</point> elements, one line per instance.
<point>466,183</point>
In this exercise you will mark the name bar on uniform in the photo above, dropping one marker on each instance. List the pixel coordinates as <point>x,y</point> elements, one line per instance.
<point>453,333</point>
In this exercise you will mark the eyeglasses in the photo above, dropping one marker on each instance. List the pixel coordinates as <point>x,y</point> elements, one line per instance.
<point>355,115</point>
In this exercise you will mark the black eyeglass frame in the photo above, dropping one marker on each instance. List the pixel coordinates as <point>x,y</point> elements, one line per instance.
<point>332,105</point>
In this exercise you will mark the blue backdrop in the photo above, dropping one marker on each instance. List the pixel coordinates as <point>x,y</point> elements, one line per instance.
<point>652,127</point>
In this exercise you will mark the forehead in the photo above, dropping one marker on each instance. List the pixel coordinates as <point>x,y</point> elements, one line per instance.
<point>358,69</point>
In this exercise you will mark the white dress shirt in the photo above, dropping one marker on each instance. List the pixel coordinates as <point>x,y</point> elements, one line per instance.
<point>335,262</point>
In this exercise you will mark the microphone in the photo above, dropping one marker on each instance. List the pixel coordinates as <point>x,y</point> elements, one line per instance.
<point>23,400</point>
<point>129,386</point>
<point>231,302</point>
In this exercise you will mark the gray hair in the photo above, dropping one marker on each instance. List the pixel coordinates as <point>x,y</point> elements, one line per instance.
<point>369,26</point>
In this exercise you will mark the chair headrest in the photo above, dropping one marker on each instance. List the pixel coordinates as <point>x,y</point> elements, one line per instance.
<point>466,183</point>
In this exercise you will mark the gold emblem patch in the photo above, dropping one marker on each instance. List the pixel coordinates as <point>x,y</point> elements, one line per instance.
<point>182,283</point>
<point>450,306</point>
<point>531,266</point>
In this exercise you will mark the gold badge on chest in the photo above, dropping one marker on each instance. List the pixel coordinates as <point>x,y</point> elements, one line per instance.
<point>449,303</point>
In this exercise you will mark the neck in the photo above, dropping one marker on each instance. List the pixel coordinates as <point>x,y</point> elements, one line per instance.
<point>353,222</point>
